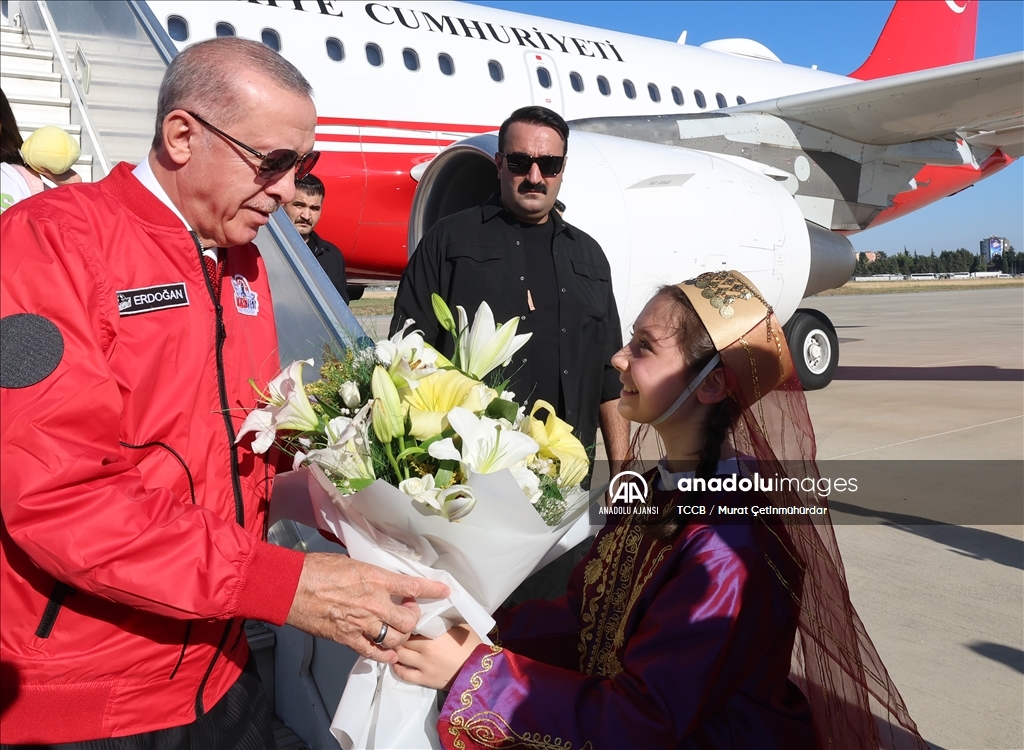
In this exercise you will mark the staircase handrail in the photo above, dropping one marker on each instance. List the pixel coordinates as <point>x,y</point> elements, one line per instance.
<point>99,154</point>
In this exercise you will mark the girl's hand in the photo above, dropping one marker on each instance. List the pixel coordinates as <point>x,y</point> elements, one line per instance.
<point>435,663</point>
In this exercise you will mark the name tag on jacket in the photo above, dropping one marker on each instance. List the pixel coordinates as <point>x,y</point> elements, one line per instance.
<point>151,299</point>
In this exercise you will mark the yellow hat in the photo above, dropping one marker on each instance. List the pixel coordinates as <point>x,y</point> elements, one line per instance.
<point>744,329</point>
<point>50,149</point>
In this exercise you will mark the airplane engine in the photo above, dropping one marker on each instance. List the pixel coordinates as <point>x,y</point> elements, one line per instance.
<point>664,214</point>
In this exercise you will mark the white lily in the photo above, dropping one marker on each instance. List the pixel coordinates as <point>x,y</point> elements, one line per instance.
<point>388,413</point>
<point>482,347</point>
<point>287,408</point>
<point>456,501</point>
<point>487,447</point>
<point>407,357</point>
<point>348,452</point>
<point>423,490</point>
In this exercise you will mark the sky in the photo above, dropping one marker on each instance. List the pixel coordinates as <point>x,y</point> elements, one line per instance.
<point>837,37</point>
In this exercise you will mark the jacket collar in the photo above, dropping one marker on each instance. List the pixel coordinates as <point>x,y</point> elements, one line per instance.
<point>136,199</point>
<point>494,207</point>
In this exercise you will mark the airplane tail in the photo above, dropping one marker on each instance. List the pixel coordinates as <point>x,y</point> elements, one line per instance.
<point>922,34</point>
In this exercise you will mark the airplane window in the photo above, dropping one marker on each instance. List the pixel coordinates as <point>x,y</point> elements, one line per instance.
<point>577,81</point>
<point>629,88</point>
<point>699,96</point>
<point>543,77</point>
<point>225,29</point>
<point>602,86</point>
<point>335,49</point>
<point>412,60</point>
<point>653,91</point>
<point>497,74</point>
<point>272,39</point>
<point>373,55</point>
<point>177,27</point>
<point>722,103</point>
<point>740,100</point>
<point>444,60</point>
<point>677,96</point>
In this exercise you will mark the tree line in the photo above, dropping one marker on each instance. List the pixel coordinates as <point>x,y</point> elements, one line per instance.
<point>948,261</point>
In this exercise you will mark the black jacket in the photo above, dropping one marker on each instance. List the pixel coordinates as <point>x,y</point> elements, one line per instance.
<point>331,260</point>
<point>473,256</point>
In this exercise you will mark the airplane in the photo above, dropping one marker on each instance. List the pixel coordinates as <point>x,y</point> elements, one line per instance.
<point>682,159</point>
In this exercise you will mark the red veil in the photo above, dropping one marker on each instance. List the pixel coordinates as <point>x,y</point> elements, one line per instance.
<point>853,700</point>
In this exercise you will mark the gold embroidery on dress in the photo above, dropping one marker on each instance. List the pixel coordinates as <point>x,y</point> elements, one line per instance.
<point>491,729</point>
<point>612,586</point>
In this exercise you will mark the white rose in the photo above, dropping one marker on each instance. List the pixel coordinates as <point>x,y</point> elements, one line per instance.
<point>422,489</point>
<point>349,393</point>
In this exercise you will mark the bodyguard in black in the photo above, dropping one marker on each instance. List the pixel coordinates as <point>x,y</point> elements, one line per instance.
<point>304,210</point>
<point>517,253</point>
<point>331,260</point>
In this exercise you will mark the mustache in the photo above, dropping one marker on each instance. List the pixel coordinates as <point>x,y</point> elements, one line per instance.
<point>532,187</point>
<point>264,207</point>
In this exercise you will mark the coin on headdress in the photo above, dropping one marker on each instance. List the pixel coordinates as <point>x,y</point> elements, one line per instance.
<point>717,301</point>
<point>726,311</point>
<point>700,283</point>
<point>707,293</point>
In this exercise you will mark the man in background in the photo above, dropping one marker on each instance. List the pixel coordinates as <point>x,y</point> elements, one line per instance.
<point>304,211</point>
<point>519,255</point>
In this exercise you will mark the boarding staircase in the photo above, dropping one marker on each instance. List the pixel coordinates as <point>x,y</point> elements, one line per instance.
<point>94,69</point>
<point>33,88</point>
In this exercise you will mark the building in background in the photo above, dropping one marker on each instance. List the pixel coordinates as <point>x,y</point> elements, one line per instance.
<point>991,247</point>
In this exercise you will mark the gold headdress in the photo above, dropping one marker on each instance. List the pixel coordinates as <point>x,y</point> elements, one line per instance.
<point>744,329</point>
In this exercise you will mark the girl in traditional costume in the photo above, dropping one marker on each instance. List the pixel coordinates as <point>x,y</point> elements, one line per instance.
<point>702,625</point>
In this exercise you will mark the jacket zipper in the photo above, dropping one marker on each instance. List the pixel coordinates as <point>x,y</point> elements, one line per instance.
<point>60,590</point>
<point>236,483</point>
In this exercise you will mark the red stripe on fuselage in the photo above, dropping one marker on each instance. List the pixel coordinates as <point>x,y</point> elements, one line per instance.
<point>396,140</point>
<point>405,125</point>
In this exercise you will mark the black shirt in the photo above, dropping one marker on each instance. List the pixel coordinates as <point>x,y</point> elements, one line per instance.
<point>477,255</point>
<point>542,318</point>
<point>331,260</point>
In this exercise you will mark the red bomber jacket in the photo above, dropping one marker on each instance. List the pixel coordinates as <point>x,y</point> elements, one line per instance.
<point>132,544</point>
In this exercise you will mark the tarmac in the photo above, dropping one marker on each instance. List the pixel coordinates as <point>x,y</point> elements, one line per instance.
<point>934,376</point>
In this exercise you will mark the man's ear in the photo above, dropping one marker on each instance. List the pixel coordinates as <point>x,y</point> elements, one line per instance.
<point>497,162</point>
<point>178,131</point>
<point>713,389</point>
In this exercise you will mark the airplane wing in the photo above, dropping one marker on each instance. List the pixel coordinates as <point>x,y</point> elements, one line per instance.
<point>980,100</point>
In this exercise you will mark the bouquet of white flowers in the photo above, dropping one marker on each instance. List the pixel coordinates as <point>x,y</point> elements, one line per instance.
<point>428,466</point>
<point>401,412</point>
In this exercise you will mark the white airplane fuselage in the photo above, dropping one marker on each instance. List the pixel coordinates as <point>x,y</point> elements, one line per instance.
<point>414,78</point>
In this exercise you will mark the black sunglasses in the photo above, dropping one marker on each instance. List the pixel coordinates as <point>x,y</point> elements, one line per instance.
<point>277,161</point>
<point>520,164</point>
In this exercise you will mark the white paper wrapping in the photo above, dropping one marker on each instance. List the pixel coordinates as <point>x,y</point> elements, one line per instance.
<point>482,558</point>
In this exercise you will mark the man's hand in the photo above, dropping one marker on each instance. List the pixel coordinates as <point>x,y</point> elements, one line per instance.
<point>435,663</point>
<point>348,601</point>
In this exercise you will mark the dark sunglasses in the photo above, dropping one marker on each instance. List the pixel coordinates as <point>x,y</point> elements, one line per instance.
<point>520,164</point>
<point>277,161</point>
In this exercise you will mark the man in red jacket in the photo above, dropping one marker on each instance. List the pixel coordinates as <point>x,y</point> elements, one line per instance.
<point>133,314</point>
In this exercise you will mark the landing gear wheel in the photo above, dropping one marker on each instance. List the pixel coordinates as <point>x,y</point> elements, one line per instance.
<point>815,347</point>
